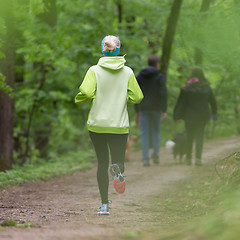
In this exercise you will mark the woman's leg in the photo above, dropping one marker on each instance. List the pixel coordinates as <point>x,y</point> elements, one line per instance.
<point>199,141</point>
<point>144,130</point>
<point>190,138</point>
<point>99,141</point>
<point>117,144</point>
<point>156,135</point>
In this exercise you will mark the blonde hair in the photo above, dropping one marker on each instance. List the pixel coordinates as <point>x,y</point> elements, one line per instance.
<point>110,43</point>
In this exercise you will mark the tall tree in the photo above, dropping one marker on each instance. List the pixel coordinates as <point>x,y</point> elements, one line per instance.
<point>7,103</point>
<point>198,53</point>
<point>169,35</point>
<point>119,10</point>
<point>49,16</point>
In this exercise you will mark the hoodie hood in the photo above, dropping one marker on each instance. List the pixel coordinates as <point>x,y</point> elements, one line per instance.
<point>113,63</point>
<point>149,72</point>
<point>197,88</point>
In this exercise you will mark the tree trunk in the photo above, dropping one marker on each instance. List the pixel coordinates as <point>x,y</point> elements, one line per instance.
<point>198,53</point>
<point>7,103</point>
<point>49,17</point>
<point>119,10</point>
<point>26,154</point>
<point>169,35</point>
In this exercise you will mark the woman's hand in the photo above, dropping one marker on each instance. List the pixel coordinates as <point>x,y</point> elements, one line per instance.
<point>164,115</point>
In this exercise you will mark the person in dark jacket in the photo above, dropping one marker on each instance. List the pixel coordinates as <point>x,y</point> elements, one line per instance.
<point>152,108</point>
<point>193,106</point>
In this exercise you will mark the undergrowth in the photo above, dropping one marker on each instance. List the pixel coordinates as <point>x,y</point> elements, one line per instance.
<point>220,223</point>
<point>203,207</point>
<point>42,170</point>
<point>12,223</point>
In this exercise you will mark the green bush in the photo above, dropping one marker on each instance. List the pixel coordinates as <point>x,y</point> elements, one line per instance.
<point>56,166</point>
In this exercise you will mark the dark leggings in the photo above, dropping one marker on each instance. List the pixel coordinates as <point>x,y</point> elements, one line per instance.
<point>103,142</point>
<point>195,131</point>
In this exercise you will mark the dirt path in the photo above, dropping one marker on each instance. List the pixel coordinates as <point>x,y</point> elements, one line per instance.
<point>65,208</point>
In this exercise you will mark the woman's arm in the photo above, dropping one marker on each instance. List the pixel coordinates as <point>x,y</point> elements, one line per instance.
<point>134,93</point>
<point>179,107</point>
<point>213,103</point>
<point>87,90</point>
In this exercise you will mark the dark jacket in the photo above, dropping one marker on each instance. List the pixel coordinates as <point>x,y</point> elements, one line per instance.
<point>153,86</point>
<point>193,103</point>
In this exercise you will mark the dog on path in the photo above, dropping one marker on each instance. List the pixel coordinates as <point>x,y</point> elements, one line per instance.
<point>178,146</point>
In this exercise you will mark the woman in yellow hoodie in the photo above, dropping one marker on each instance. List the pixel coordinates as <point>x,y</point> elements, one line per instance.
<point>110,85</point>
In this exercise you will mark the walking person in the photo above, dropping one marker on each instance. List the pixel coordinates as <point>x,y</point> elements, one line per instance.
<point>193,106</point>
<point>152,108</point>
<point>109,85</point>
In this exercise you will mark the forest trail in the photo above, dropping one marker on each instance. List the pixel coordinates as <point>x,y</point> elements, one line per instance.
<point>66,208</point>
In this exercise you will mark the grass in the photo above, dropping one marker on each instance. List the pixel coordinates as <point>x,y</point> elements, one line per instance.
<point>202,207</point>
<point>222,223</point>
<point>12,223</point>
<point>43,170</point>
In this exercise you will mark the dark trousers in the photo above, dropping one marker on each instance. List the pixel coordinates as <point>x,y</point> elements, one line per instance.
<point>195,132</point>
<point>103,142</point>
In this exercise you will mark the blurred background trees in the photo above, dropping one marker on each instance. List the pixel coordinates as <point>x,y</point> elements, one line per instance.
<point>46,47</point>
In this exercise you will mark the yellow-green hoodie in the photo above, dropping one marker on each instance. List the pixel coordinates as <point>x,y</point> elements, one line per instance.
<point>110,85</point>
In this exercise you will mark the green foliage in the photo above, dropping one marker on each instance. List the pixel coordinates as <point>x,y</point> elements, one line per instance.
<point>206,208</point>
<point>8,223</point>
<point>220,224</point>
<point>3,86</point>
<point>12,223</point>
<point>216,34</point>
<point>42,170</point>
<point>131,235</point>
<point>52,59</point>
